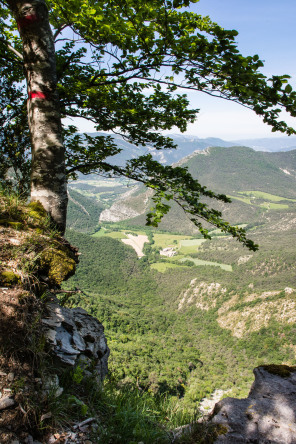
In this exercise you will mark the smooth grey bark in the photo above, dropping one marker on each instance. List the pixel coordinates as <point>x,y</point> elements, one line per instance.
<point>48,178</point>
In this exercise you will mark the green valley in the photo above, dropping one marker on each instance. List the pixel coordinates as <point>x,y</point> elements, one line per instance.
<point>195,315</point>
<point>186,331</point>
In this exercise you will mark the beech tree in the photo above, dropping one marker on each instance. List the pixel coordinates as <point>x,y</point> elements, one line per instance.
<point>122,64</point>
<point>48,180</point>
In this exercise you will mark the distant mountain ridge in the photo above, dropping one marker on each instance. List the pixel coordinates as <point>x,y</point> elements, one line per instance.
<point>260,184</point>
<point>187,144</point>
<point>270,144</point>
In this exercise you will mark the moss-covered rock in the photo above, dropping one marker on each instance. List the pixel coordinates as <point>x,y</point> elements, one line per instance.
<point>58,263</point>
<point>43,256</point>
<point>9,278</point>
<point>280,370</point>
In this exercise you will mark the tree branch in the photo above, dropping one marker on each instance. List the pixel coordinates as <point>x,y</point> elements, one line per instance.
<point>18,54</point>
<point>59,30</point>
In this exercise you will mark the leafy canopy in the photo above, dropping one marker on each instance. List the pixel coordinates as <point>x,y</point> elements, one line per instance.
<point>125,65</point>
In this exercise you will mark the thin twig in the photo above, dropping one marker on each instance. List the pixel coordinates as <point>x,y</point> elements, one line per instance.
<point>83,423</point>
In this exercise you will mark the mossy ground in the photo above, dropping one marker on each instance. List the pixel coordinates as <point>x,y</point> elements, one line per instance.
<point>9,278</point>
<point>280,370</point>
<point>20,353</point>
<point>31,249</point>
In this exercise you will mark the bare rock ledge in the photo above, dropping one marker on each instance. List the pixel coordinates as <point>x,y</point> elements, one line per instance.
<point>267,416</point>
<point>76,337</point>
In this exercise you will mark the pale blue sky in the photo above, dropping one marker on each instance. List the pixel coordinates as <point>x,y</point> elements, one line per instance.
<point>266,28</point>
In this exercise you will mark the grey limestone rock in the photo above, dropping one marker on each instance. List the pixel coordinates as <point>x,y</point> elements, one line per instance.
<point>267,416</point>
<point>6,402</point>
<point>75,336</point>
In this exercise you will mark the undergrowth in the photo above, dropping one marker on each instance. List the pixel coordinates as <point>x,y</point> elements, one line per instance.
<point>124,415</point>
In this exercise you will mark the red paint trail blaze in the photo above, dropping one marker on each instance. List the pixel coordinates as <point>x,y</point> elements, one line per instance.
<point>37,95</point>
<point>27,21</point>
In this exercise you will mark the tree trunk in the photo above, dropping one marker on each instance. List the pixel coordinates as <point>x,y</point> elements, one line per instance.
<point>48,179</point>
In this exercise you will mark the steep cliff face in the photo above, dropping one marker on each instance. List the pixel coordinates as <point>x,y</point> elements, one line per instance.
<point>45,349</point>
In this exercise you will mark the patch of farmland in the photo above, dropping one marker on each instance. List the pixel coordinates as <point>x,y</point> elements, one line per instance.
<point>188,246</point>
<point>162,267</point>
<point>199,262</point>
<point>274,206</point>
<point>164,240</point>
<point>137,242</point>
<point>265,196</point>
<point>100,233</point>
<point>117,235</point>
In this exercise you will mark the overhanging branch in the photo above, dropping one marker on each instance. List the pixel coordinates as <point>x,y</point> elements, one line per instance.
<point>11,48</point>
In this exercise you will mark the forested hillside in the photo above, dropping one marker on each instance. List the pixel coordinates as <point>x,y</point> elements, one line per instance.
<point>83,212</point>
<point>189,330</point>
<point>239,169</point>
<point>202,319</point>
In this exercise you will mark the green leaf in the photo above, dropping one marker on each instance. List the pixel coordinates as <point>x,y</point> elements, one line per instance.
<point>288,89</point>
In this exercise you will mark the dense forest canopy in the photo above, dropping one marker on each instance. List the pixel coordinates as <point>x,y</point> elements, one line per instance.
<point>121,64</point>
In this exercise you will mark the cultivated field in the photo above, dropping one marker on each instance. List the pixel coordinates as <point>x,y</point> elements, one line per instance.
<point>185,246</point>
<point>137,242</point>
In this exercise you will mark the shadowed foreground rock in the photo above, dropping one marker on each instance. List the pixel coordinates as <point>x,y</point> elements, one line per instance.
<point>267,416</point>
<point>76,337</point>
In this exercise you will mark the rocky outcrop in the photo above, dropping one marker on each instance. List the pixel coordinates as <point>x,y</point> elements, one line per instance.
<point>129,205</point>
<point>267,416</point>
<point>75,337</point>
<point>36,260</point>
<point>117,213</point>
